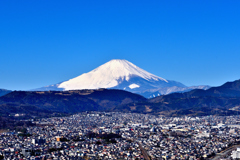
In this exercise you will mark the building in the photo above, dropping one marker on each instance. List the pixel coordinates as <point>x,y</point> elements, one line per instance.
<point>236,154</point>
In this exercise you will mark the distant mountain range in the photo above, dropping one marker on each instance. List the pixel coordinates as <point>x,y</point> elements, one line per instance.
<point>122,74</point>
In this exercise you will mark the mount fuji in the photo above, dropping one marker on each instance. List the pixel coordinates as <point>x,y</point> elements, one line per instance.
<point>120,74</point>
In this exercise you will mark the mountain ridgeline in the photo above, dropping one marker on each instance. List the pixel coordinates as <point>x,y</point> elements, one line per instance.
<point>65,101</point>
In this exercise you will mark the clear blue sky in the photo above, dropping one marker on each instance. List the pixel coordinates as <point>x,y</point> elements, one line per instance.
<point>44,42</point>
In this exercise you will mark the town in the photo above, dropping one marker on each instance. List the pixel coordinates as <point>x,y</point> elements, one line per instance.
<point>115,135</point>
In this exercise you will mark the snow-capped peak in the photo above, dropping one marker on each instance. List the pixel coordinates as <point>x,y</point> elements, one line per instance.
<point>109,75</point>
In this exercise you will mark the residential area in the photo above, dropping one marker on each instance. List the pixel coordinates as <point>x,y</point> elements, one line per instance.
<point>115,135</point>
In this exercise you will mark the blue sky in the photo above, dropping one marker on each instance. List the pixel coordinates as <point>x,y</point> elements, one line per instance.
<point>44,42</point>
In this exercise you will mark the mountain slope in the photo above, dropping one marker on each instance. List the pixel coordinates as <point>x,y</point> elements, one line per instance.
<point>4,92</point>
<point>229,89</point>
<point>151,93</point>
<point>220,100</point>
<point>110,75</point>
<point>115,74</point>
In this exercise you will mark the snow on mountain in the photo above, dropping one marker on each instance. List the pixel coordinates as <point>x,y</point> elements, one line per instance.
<point>118,74</point>
<point>109,75</point>
<point>133,86</point>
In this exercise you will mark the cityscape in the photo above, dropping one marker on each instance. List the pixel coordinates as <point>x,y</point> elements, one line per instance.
<point>115,135</point>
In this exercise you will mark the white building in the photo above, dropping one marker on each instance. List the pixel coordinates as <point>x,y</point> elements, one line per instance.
<point>236,154</point>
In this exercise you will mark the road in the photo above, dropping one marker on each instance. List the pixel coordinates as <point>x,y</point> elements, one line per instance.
<point>225,152</point>
<point>144,152</point>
